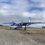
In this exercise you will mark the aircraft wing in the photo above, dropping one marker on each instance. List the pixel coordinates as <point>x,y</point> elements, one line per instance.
<point>35,22</point>
<point>29,23</point>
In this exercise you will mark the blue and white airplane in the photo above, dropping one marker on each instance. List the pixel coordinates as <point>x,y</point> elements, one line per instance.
<point>22,24</point>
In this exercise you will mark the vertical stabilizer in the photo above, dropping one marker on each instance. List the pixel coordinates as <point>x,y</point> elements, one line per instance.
<point>29,19</point>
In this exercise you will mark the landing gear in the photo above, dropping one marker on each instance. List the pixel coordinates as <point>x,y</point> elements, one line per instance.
<point>25,28</point>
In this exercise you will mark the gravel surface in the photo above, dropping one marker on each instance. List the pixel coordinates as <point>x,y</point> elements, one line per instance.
<point>14,37</point>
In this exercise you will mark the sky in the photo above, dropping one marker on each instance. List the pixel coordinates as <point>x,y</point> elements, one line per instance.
<point>17,10</point>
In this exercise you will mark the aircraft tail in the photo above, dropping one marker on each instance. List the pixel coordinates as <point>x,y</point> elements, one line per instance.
<point>29,19</point>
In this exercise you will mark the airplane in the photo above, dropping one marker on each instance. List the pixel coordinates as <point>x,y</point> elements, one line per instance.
<point>23,24</point>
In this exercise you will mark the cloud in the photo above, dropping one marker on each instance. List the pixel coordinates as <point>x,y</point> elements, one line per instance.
<point>28,14</point>
<point>13,9</point>
<point>20,8</point>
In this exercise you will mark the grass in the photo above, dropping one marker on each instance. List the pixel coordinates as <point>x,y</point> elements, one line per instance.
<point>29,30</point>
<point>34,31</point>
<point>4,27</point>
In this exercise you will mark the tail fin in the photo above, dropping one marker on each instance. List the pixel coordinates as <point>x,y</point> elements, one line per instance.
<point>29,19</point>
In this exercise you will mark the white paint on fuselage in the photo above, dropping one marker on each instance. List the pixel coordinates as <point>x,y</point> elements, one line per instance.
<point>13,26</point>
